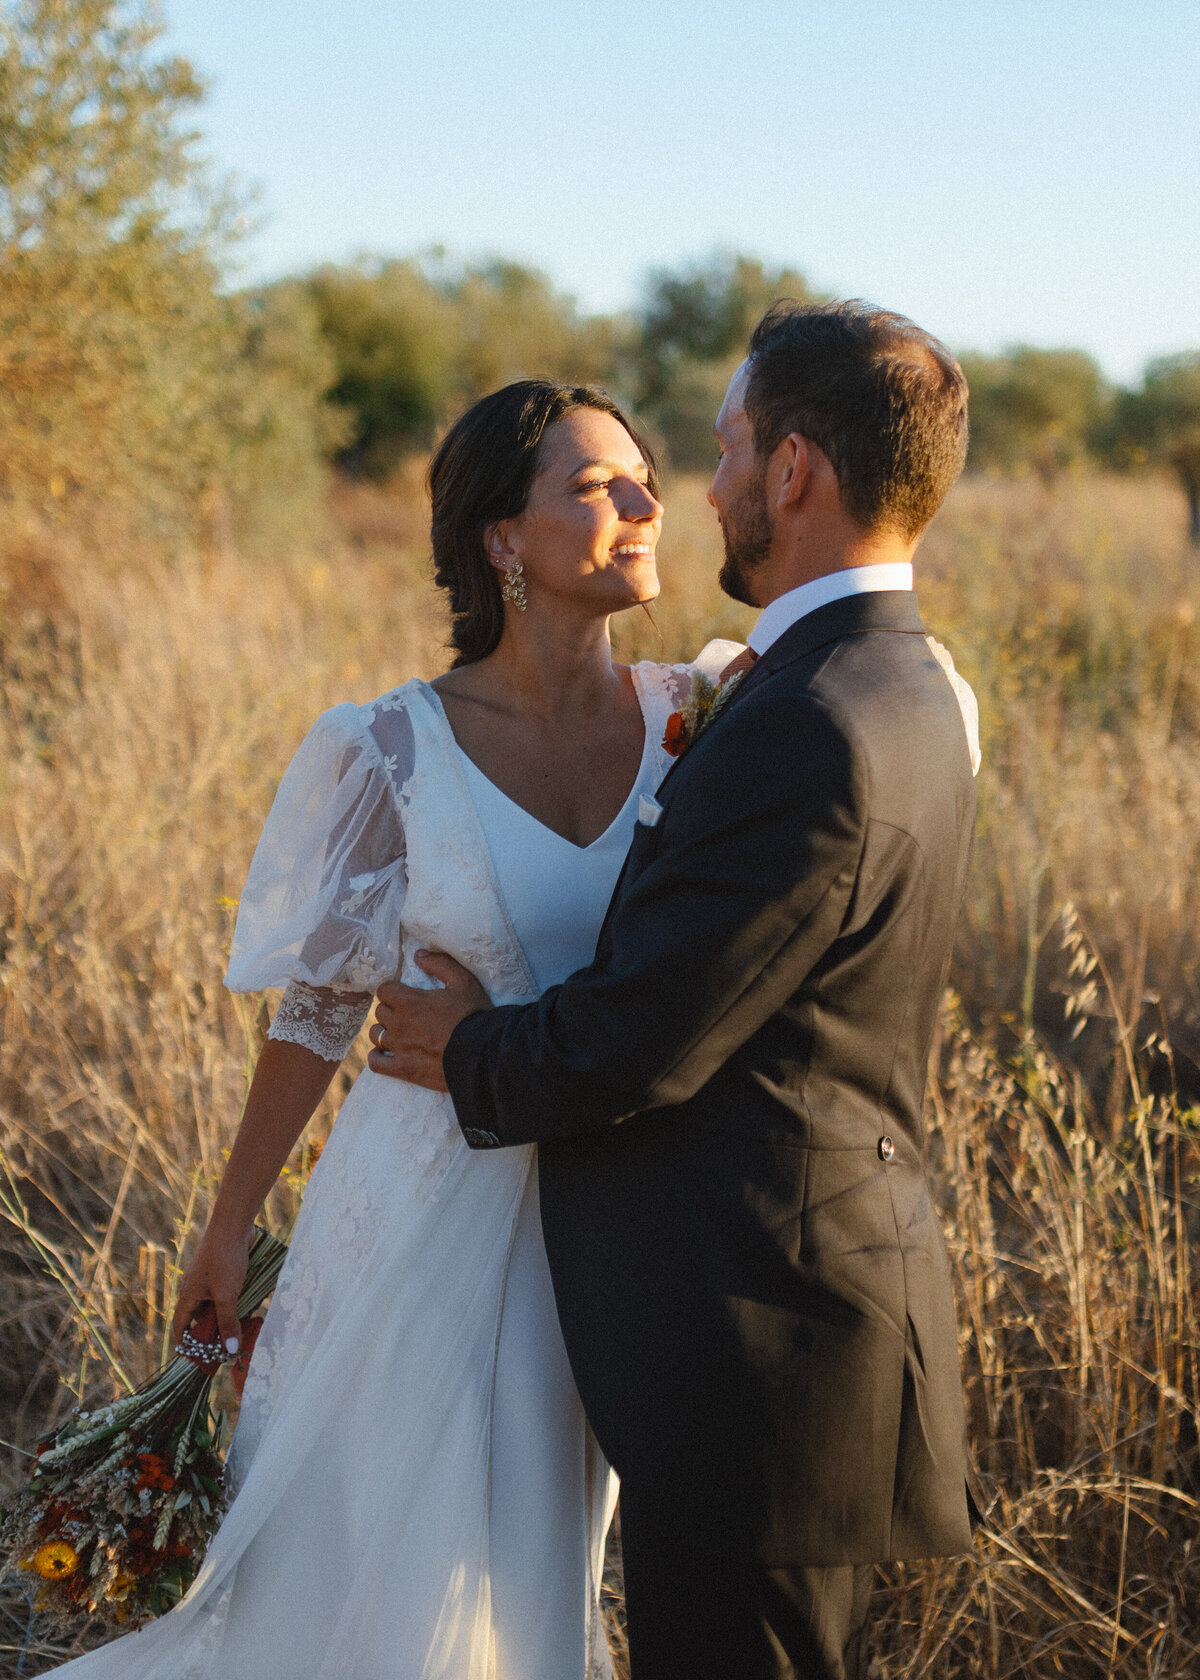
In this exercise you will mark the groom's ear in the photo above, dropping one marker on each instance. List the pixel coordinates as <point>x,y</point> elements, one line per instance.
<point>799,468</point>
<point>789,470</point>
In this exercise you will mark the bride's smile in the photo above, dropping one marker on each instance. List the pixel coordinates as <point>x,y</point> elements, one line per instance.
<point>590,528</point>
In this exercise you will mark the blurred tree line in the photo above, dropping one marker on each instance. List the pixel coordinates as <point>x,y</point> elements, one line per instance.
<point>1048,411</point>
<point>132,376</point>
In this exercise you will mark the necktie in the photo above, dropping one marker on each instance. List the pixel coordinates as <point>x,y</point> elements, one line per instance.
<point>737,667</point>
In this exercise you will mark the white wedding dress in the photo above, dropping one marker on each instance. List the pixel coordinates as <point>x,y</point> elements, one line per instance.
<point>419,1496</point>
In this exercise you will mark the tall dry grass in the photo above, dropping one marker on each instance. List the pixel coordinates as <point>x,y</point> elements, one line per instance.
<point>145,716</point>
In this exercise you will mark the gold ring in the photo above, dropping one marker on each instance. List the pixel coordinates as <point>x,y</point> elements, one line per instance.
<point>379,1040</point>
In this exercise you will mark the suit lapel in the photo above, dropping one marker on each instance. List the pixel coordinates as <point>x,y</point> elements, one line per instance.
<point>886,609</point>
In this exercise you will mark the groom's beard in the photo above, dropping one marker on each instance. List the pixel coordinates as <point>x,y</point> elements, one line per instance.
<point>747,531</point>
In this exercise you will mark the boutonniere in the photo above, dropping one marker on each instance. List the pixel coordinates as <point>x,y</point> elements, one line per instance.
<point>702,705</point>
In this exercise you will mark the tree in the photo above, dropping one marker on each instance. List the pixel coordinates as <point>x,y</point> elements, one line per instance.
<point>1161,422</point>
<point>122,361</point>
<point>512,323</point>
<point>277,415</point>
<point>416,340</point>
<point>391,336</point>
<point>694,328</point>
<point>1034,409</point>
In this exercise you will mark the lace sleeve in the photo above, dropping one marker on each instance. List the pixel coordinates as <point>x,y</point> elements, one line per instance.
<point>672,683</point>
<point>323,1020</point>
<point>325,893</point>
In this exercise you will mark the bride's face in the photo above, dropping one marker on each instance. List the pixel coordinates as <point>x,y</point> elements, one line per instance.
<point>590,527</point>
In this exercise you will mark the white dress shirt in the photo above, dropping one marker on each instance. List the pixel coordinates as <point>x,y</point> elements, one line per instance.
<point>785,610</point>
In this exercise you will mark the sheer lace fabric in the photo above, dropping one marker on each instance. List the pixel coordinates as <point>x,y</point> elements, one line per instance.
<point>323,1020</point>
<point>325,894</point>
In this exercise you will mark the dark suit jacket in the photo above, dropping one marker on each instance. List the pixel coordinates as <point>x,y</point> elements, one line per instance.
<point>751,1278</point>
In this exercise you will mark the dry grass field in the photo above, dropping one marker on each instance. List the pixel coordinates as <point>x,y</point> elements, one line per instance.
<point>146,712</point>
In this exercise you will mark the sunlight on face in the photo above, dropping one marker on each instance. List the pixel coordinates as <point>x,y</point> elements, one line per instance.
<point>735,443</point>
<point>738,494</point>
<point>591,525</point>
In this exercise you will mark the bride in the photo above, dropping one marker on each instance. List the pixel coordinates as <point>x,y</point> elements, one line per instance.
<point>418,1494</point>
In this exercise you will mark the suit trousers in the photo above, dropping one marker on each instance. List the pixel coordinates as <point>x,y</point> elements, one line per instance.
<point>693,1616</point>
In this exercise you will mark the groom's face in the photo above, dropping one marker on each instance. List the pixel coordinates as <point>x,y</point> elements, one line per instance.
<point>738,492</point>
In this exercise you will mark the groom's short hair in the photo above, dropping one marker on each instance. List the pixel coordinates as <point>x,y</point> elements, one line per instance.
<point>884,400</point>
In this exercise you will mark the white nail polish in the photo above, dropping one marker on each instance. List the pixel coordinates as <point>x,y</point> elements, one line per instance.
<point>231,1344</point>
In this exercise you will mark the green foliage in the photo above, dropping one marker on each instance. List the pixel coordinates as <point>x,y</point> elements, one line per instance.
<point>98,286</point>
<point>89,145</point>
<point>416,340</point>
<point>511,322</point>
<point>693,333</point>
<point>1161,422</point>
<point>1039,410</point>
<point>276,418</point>
<point>127,378</point>
<point>391,337</point>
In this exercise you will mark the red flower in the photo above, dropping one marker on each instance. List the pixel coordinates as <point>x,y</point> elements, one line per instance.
<point>154,1472</point>
<point>676,737</point>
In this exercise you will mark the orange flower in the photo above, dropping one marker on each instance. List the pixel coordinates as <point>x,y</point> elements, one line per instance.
<point>54,1560</point>
<point>154,1472</point>
<point>676,737</point>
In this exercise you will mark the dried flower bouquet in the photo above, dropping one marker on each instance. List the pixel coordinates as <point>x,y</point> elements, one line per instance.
<point>122,1502</point>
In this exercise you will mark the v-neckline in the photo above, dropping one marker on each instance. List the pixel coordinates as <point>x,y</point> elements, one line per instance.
<point>468,761</point>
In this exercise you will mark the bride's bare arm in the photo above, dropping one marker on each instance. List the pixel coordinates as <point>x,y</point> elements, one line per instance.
<point>289,1081</point>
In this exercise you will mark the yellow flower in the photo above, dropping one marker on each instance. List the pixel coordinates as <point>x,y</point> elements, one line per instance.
<point>55,1560</point>
<point>121,1588</point>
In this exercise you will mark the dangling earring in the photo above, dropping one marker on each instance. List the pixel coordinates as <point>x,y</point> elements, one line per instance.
<point>513,587</point>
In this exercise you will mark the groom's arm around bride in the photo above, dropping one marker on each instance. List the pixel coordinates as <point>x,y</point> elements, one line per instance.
<point>749,1272</point>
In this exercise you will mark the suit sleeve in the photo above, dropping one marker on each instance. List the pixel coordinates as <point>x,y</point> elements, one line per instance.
<point>723,911</point>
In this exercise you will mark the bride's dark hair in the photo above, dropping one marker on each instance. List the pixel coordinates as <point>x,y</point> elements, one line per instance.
<point>482,472</point>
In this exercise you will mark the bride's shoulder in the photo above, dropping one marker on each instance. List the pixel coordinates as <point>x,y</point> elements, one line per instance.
<point>675,680</point>
<point>398,699</point>
<point>376,732</point>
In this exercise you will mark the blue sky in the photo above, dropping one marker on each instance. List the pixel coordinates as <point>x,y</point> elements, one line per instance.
<point>1005,171</point>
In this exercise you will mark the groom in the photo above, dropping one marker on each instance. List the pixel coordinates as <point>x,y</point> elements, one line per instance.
<point>749,1272</point>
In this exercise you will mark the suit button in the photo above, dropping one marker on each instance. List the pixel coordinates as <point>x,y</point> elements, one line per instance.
<point>887,1149</point>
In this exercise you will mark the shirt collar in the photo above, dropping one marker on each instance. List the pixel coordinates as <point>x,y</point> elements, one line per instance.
<point>785,610</point>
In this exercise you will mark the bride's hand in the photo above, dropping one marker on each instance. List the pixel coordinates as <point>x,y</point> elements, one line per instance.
<point>216,1274</point>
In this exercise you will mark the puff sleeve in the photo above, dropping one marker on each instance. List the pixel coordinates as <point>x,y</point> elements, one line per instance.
<point>320,912</point>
